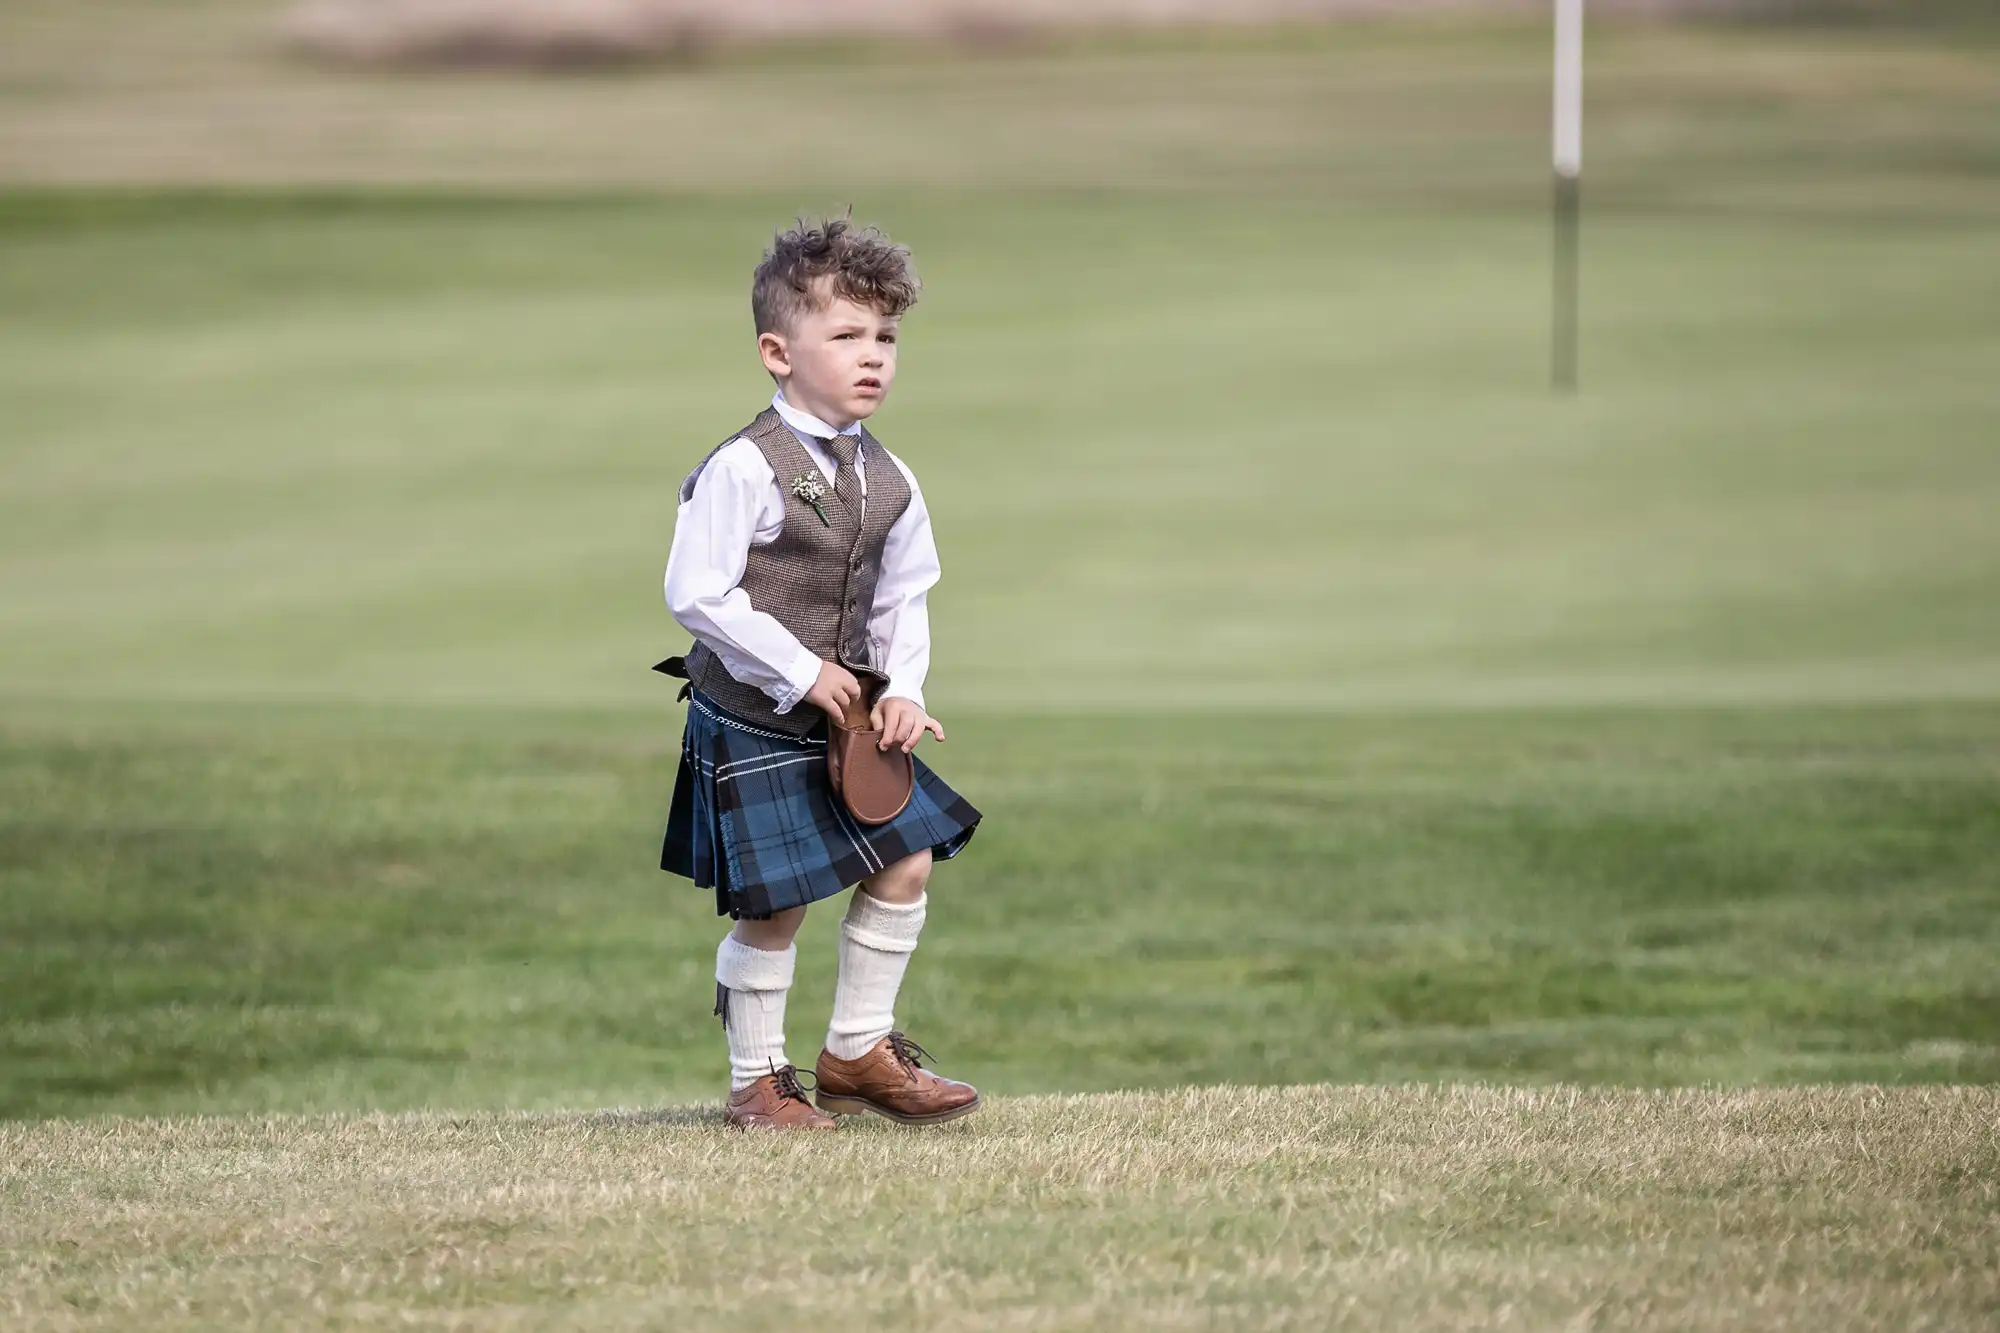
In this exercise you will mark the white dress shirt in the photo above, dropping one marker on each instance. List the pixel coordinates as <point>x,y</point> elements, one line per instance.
<point>735,504</point>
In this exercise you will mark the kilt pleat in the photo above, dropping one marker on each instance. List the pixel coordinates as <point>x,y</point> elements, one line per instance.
<point>754,817</point>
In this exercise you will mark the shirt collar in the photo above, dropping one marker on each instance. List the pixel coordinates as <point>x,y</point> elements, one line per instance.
<point>805,423</point>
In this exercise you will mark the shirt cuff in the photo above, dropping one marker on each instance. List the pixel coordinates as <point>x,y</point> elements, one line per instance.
<point>903,689</point>
<point>800,677</point>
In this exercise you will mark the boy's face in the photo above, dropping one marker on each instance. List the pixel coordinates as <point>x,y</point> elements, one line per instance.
<point>836,363</point>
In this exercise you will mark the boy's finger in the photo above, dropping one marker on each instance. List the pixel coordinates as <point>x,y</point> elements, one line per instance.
<point>934,727</point>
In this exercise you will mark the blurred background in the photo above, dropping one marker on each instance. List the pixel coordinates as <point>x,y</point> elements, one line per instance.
<point>1344,703</point>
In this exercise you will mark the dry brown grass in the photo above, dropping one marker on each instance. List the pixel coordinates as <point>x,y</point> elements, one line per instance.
<point>559,32</point>
<point>1414,1208</point>
<point>540,32</point>
<point>588,31</point>
<point>130,92</point>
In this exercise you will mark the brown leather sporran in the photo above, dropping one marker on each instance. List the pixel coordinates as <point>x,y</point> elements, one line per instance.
<point>873,784</point>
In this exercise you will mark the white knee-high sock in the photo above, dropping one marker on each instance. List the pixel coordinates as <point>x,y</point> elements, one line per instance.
<point>755,982</point>
<point>876,939</point>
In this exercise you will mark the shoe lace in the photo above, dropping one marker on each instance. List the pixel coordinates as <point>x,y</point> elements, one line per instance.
<point>909,1052</point>
<point>787,1083</point>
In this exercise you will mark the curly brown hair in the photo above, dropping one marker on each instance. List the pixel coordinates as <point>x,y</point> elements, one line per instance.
<point>866,267</point>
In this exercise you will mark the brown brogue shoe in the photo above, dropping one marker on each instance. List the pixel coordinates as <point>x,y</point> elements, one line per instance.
<point>775,1101</point>
<point>888,1080</point>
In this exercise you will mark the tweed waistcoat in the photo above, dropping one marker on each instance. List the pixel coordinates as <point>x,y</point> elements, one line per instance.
<point>818,578</point>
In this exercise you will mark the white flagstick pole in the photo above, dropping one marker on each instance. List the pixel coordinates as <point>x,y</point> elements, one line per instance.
<point>1568,182</point>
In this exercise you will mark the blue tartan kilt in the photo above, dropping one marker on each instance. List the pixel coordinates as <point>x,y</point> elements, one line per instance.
<point>755,818</point>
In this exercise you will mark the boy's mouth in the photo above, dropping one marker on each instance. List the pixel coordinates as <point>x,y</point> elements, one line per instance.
<point>869,383</point>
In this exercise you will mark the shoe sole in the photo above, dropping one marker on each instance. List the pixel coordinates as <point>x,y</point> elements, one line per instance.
<point>856,1106</point>
<point>742,1128</point>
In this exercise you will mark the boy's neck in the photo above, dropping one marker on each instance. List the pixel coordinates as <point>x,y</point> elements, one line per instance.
<point>812,409</point>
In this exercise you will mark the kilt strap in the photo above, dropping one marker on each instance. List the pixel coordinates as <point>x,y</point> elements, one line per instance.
<point>677,667</point>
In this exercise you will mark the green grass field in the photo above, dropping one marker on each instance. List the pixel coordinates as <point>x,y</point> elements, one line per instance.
<point>340,910</point>
<point>1345,708</point>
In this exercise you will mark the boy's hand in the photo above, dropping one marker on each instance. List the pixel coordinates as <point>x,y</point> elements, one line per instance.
<point>903,724</point>
<point>835,689</point>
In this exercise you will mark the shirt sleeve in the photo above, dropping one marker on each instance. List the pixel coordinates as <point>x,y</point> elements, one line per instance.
<point>717,523</point>
<point>901,618</point>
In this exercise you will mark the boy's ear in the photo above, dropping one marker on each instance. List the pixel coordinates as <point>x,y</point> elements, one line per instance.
<point>776,356</point>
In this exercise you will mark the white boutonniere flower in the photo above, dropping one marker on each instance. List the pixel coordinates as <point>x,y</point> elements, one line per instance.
<point>808,487</point>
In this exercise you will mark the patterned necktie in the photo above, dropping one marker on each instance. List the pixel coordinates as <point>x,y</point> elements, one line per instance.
<point>846,484</point>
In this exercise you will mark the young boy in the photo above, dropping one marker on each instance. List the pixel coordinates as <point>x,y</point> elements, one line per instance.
<point>801,560</point>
